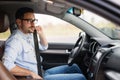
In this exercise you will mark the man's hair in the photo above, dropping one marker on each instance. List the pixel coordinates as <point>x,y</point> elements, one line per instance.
<point>21,11</point>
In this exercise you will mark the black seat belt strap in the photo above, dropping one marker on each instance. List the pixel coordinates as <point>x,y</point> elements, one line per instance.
<point>38,57</point>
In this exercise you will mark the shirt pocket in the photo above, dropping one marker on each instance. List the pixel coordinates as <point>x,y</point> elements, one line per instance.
<point>29,56</point>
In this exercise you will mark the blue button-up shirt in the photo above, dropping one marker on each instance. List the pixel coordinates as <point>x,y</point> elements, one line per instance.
<point>19,50</point>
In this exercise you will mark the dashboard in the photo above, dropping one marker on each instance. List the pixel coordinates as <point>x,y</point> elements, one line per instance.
<point>103,56</point>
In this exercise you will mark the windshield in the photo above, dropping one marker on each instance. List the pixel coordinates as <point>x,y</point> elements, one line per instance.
<point>108,28</point>
<point>117,2</point>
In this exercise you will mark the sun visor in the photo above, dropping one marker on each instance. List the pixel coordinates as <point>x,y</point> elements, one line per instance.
<point>55,7</point>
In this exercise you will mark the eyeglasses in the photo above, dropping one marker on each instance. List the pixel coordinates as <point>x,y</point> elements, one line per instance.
<point>30,20</point>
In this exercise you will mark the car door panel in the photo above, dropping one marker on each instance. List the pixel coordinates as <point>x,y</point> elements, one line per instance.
<point>57,54</point>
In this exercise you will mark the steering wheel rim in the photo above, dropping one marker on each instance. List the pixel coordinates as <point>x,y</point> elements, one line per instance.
<point>77,48</point>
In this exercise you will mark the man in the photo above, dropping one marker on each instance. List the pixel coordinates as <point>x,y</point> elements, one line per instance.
<point>19,56</point>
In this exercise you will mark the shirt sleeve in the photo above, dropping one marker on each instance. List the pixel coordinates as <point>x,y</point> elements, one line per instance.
<point>41,47</point>
<point>12,49</point>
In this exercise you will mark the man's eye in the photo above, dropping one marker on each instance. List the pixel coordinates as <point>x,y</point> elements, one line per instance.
<point>30,20</point>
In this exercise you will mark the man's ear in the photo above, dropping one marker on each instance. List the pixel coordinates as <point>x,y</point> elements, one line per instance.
<point>18,22</point>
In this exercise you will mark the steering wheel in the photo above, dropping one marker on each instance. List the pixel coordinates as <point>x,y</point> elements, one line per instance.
<point>77,48</point>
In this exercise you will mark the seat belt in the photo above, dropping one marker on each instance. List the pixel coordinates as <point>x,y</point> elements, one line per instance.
<point>38,57</point>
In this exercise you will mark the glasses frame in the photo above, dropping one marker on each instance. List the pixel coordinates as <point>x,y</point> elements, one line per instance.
<point>30,20</point>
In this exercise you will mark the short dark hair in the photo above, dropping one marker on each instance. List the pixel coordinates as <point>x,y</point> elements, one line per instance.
<point>21,11</point>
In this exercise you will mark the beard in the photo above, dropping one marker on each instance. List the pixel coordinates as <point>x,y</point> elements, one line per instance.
<point>27,30</point>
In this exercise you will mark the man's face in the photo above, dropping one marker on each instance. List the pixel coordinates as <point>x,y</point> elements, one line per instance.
<point>28,23</point>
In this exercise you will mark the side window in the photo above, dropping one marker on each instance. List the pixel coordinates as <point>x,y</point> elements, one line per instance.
<point>58,31</point>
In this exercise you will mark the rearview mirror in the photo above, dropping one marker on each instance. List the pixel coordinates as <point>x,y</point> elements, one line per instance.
<point>75,11</point>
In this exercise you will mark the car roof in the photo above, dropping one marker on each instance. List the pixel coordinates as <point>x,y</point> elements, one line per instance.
<point>58,8</point>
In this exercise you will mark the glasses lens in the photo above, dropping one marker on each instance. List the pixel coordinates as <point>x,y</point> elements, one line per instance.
<point>35,21</point>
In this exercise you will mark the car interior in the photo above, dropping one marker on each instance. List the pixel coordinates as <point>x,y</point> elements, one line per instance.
<point>96,54</point>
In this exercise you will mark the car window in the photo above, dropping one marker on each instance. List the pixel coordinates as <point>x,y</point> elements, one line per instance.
<point>57,30</point>
<point>107,27</point>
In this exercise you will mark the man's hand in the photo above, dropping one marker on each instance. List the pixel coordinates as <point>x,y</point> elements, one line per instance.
<point>42,37</point>
<point>39,30</point>
<point>35,76</point>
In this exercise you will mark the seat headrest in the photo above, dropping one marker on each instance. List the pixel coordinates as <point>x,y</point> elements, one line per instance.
<point>4,22</point>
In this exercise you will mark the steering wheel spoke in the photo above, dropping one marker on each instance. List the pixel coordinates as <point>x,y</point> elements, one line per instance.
<point>77,48</point>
